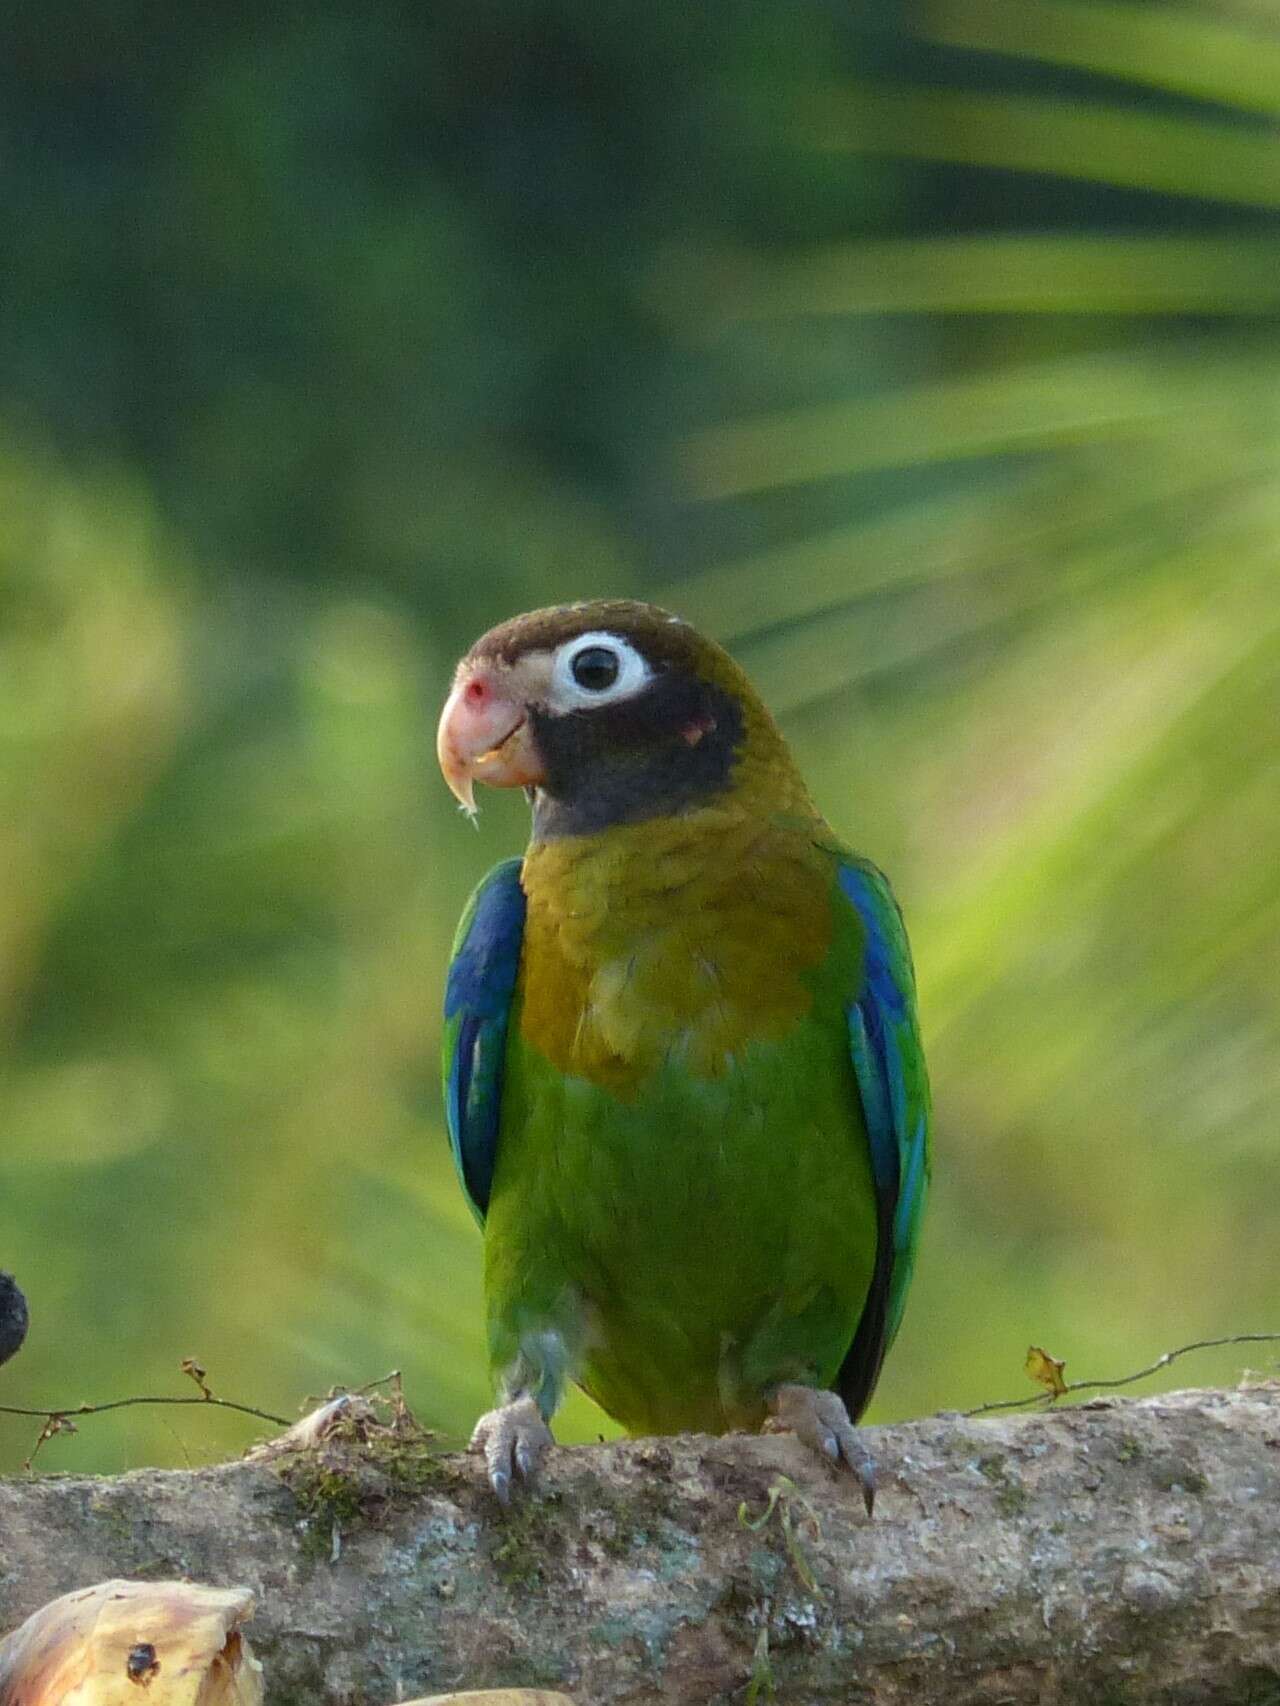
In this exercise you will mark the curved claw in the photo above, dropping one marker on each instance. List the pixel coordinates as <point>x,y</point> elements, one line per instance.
<point>514,1439</point>
<point>821,1421</point>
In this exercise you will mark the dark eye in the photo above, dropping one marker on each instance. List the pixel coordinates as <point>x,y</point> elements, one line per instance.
<point>595,669</point>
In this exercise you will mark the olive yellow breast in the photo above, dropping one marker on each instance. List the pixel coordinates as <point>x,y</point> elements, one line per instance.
<point>672,941</point>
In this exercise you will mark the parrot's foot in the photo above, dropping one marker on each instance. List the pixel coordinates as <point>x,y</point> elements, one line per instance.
<point>514,1439</point>
<point>822,1422</point>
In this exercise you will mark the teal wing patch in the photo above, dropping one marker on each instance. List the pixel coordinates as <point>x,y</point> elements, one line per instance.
<point>477,1006</point>
<point>888,1061</point>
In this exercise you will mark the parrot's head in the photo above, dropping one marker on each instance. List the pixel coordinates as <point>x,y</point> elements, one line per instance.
<point>607,712</point>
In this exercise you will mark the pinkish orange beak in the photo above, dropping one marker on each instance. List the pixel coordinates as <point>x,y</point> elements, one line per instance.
<point>484,736</point>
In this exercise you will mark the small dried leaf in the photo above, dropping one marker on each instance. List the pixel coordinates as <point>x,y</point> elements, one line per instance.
<point>197,1372</point>
<point>1045,1370</point>
<point>123,1643</point>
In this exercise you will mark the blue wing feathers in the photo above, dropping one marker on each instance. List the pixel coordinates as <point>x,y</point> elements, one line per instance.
<point>867,1051</point>
<point>911,1191</point>
<point>884,1044</point>
<point>477,1006</point>
<point>888,1064</point>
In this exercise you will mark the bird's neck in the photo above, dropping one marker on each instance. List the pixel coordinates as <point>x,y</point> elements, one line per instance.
<point>677,859</point>
<point>674,939</point>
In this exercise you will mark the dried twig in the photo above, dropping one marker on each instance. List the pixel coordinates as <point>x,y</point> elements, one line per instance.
<point>58,1420</point>
<point>1045,1398</point>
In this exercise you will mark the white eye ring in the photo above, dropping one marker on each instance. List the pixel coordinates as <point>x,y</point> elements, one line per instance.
<point>568,694</point>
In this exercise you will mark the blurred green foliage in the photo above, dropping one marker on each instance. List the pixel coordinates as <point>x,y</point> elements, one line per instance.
<point>933,368</point>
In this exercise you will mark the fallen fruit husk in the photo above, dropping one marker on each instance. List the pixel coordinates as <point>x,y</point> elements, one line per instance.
<point>134,1644</point>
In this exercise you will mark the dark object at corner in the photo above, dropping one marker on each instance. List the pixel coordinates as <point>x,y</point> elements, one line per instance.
<point>13,1316</point>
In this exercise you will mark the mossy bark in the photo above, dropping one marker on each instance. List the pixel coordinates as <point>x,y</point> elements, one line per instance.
<point>1123,1552</point>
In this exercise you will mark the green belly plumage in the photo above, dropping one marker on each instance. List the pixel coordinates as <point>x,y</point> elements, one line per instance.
<point>694,1242</point>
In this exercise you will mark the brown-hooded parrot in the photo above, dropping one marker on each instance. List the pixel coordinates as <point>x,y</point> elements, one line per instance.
<point>683,1076</point>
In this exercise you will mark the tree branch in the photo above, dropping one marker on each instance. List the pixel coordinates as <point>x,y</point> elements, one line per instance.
<point>1120,1549</point>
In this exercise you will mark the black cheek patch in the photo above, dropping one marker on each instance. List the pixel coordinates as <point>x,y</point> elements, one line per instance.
<point>667,750</point>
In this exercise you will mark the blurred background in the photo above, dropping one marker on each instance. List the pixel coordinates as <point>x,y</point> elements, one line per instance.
<point>930,362</point>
